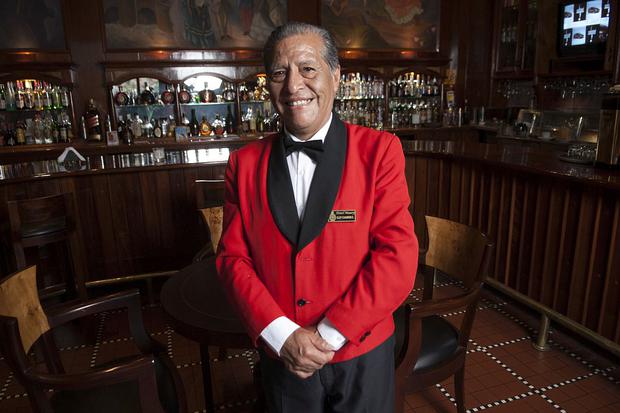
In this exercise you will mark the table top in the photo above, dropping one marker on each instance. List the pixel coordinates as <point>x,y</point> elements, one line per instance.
<point>199,309</point>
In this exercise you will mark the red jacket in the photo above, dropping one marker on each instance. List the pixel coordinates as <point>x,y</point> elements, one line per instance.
<point>355,273</point>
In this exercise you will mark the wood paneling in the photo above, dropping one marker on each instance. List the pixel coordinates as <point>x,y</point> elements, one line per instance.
<point>131,222</point>
<point>558,242</point>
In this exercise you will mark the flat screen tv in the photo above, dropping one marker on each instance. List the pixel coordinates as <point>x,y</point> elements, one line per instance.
<point>584,27</point>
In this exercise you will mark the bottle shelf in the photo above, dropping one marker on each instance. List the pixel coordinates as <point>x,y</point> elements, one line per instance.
<point>143,106</point>
<point>32,110</point>
<point>253,102</point>
<point>359,98</point>
<point>207,103</point>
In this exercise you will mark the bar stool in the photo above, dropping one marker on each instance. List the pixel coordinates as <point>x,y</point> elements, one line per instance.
<point>43,222</point>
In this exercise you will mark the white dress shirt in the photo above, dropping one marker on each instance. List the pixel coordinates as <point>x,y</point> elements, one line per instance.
<point>301,169</point>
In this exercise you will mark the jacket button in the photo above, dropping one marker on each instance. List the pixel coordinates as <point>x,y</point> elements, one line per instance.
<point>301,302</point>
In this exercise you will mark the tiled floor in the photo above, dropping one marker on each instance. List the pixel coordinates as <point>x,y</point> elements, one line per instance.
<point>503,373</point>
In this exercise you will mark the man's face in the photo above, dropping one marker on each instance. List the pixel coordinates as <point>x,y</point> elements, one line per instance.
<point>301,84</point>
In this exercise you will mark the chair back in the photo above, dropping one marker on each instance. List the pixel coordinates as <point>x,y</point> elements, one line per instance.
<point>210,203</point>
<point>38,217</point>
<point>209,193</point>
<point>456,249</point>
<point>19,299</point>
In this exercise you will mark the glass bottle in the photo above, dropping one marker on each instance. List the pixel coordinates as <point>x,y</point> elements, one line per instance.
<point>205,128</point>
<point>2,98</point>
<point>20,133</point>
<point>184,95</point>
<point>93,123</point>
<point>260,123</point>
<point>218,125</point>
<point>121,98</point>
<point>167,96</point>
<point>157,131</point>
<point>64,97</point>
<point>194,126</point>
<point>229,94</point>
<point>146,96</point>
<point>230,121</point>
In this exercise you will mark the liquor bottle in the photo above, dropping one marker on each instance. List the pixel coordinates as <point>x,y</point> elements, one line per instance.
<point>93,123</point>
<point>63,135</point>
<point>48,94</point>
<point>184,95</point>
<point>251,120</point>
<point>37,129</point>
<point>64,97</point>
<point>2,98</point>
<point>83,132</point>
<point>19,96</point>
<point>146,96</point>
<point>69,127</point>
<point>230,121</point>
<point>29,96</point>
<point>20,133</point>
<point>108,124</point>
<point>121,98</point>
<point>244,95</point>
<point>10,96</point>
<point>229,94</point>
<point>157,131</point>
<point>194,126</point>
<point>205,128</point>
<point>260,122</point>
<point>147,129</point>
<point>207,95</point>
<point>171,126</point>
<point>167,96</point>
<point>164,127</point>
<point>53,132</point>
<point>10,138</point>
<point>124,131</point>
<point>218,126</point>
<point>136,126</point>
<point>38,97</point>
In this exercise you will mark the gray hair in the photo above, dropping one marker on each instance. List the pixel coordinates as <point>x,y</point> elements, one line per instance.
<point>330,51</point>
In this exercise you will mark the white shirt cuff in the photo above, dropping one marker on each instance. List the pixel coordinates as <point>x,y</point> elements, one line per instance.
<point>330,334</point>
<point>276,333</point>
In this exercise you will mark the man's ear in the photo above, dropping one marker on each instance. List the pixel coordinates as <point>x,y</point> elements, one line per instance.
<point>336,75</point>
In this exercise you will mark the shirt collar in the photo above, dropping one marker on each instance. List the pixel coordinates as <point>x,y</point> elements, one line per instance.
<point>319,135</point>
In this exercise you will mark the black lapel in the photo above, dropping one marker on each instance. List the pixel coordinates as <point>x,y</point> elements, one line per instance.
<point>325,183</point>
<point>280,193</point>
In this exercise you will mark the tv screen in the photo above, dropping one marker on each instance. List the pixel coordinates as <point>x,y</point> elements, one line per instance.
<point>584,26</point>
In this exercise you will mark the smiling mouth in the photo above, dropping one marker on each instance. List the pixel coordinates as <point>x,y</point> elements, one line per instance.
<point>299,102</point>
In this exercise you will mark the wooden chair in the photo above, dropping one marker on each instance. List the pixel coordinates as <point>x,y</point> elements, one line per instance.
<point>429,348</point>
<point>147,382</point>
<point>47,221</point>
<point>210,203</point>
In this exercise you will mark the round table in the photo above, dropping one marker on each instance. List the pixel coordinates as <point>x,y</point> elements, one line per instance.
<point>199,310</point>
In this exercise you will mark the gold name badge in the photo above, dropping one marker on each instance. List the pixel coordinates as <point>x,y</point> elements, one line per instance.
<point>345,215</point>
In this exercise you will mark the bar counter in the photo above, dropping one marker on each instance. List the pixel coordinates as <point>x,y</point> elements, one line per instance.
<point>556,225</point>
<point>520,158</point>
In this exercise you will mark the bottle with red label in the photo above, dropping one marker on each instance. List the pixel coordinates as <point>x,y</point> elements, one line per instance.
<point>93,122</point>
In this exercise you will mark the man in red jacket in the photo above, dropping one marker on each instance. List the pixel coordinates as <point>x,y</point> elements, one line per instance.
<point>318,247</point>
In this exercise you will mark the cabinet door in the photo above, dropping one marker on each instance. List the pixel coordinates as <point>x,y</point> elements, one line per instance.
<point>529,35</point>
<point>515,42</point>
<point>507,36</point>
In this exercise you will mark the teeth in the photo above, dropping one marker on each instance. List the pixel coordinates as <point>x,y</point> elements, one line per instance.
<point>299,102</point>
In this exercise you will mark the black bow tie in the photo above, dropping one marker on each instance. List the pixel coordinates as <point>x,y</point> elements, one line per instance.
<point>314,149</point>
